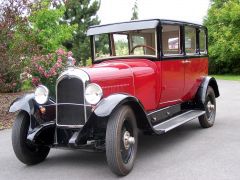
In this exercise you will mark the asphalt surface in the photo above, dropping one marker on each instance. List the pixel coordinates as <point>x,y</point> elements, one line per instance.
<point>188,152</point>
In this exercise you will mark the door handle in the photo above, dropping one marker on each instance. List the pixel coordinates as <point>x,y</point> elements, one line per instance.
<point>186,61</point>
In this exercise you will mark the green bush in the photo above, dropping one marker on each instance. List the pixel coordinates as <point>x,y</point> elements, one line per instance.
<point>26,85</point>
<point>224,36</point>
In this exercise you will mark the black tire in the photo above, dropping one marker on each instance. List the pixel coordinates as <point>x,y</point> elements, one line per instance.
<point>26,153</point>
<point>120,156</point>
<point>207,120</point>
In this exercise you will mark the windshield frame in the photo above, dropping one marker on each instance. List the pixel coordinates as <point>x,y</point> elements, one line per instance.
<point>111,41</point>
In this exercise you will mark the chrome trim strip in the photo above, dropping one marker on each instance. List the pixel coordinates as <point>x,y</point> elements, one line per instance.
<point>74,104</point>
<point>162,109</point>
<point>179,101</point>
<point>70,126</point>
<point>81,75</point>
<point>116,86</point>
<point>77,72</point>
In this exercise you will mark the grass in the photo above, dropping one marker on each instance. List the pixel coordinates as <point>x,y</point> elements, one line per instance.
<point>227,77</point>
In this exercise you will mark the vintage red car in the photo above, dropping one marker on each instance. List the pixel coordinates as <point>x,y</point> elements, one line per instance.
<point>147,75</point>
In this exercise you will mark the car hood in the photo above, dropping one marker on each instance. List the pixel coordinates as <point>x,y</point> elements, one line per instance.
<point>120,75</point>
<point>112,77</point>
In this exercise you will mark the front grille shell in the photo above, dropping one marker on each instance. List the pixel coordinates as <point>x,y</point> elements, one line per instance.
<point>71,103</point>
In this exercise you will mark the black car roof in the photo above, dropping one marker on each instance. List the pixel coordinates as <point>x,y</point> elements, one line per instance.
<point>134,25</point>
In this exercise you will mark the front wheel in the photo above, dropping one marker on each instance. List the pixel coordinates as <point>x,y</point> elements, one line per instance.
<point>121,141</point>
<point>25,152</point>
<point>207,120</point>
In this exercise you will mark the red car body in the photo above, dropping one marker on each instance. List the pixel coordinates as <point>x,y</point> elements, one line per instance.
<point>156,84</point>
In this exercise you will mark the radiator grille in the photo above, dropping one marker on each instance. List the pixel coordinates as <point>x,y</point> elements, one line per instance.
<point>70,102</point>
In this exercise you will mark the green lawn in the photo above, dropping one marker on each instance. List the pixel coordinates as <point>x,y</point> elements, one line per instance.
<point>227,77</point>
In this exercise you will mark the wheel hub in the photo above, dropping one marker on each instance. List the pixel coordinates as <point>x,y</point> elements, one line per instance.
<point>128,140</point>
<point>210,106</point>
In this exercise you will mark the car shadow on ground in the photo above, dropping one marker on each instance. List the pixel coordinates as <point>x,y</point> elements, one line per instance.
<point>150,145</point>
<point>162,143</point>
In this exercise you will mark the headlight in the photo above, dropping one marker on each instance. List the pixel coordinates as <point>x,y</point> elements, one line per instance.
<point>41,94</point>
<point>93,93</point>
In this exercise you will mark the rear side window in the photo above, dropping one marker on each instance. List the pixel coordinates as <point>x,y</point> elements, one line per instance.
<point>202,42</point>
<point>171,39</point>
<point>190,40</point>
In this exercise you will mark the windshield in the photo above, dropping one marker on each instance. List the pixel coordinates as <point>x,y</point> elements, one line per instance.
<point>121,44</point>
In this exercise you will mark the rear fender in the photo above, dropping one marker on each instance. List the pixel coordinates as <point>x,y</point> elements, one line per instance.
<point>201,93</point>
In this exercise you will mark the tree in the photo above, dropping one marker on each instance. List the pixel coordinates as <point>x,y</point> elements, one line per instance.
<point>83,14</point>
<point>11,50</point>
<point>135,11</point>
<point>218,3</point>
<point>223,22</point>
<point>28,28</point>
<point>48,28</point>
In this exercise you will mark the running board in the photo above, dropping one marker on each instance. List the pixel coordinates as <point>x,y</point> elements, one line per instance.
<point>177,121</point>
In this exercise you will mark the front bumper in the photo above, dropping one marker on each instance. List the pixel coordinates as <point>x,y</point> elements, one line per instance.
<point>89,136</point>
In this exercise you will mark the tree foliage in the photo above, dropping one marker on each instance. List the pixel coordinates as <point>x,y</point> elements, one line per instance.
<point>12,48</point>
<point>223,22</point>
<point>83,14</point>
<point>135,11</point>
<point>48,28</point>
<point>28,28</point>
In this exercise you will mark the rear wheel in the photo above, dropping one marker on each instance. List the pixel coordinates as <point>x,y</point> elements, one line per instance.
<point>207,120</point>
<point>26,152</point>
<point>121,141</point>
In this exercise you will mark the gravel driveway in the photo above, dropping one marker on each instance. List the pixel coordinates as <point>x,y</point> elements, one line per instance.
<point>188,152</point>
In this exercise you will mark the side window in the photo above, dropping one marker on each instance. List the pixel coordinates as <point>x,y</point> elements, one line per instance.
<point>202,41</point>
<point>143,42</point>
<point>171,39</point>
<point>190,40</point>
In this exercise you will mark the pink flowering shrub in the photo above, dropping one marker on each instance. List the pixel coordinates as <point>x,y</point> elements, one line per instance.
<point>46,68</point>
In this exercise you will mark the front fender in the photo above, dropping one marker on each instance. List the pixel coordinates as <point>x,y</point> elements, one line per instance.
<point>110,103</point>
<point>41,127</point>
<point>28,104</point>
<point>100,115</point>
<point>23,103</point>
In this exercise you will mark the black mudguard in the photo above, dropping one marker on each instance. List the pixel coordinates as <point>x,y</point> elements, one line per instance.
<point>42,126</point>
<point>24,103</point>
<point>201,93</point>
<point>112,102</point>
<point>28,104</point>
<point>99,117</point>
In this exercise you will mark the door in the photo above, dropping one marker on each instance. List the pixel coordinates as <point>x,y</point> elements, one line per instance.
<point>195,63</point>
<point>172,67</point>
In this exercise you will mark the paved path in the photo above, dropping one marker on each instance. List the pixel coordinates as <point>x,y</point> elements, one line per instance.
<point>188,152</point>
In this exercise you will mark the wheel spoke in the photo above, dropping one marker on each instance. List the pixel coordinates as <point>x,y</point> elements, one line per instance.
<point>210,109</point>
<point>127,142</point>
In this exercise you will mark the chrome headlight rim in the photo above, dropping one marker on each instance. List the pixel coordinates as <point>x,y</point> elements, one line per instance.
<point>41,94</point>
<point>90,93</point>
